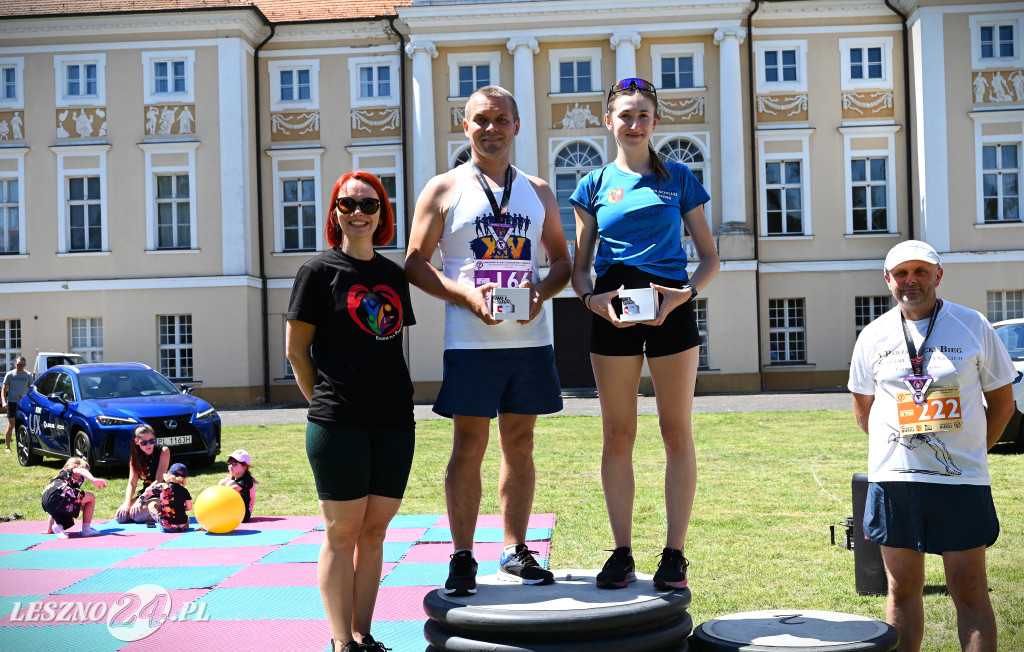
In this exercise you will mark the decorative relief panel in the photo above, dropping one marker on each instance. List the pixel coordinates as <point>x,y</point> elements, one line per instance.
<point>458,115</point>
<point>12,125</point>
<point>998,86</point>
<point>304,125</point>
<point>576,116</point>
<point>376,122</point>
<point>82,122</point>
<point>867,104</point>
<point>169,119</point>
<point>780,108</point>
<point>690,109</point>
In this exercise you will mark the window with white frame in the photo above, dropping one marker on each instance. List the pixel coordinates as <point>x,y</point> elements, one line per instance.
<point>169,76</point>
<point>175,337</point>
<point>687,152</point>
<point>87,338</point>
<point>996,41</point>
<point>461,157</point>
<point>173,211</point>
<point>80,79</point>
<point>783,191</point>
<point>85,214</point>
<point>171,188</point>
<point>10,217</point>
<point>572,163</point>
<point>385,161</point>
<point>1000,164</point>
<point>10,343</point>
<point>468,71</point>
<point>82,198</point>
<point>700,309</point>
<point>866,63</point>
<point>12,82</point>
<point>294,84</point>
<point>298,218</point>
<point>576,70</point>
<point>374,80</point>
<point>787,331</point>
<point>1004,304</point>
<point>678,65</point>
<point>781,66</point>
<point>868,309</point>
<point>869,191</point>
<point>298,205</point>
<point>390,184</point>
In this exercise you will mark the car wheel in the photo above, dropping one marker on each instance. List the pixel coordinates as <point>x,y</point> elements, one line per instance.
<point>83,448</point>
<point>25,455</point>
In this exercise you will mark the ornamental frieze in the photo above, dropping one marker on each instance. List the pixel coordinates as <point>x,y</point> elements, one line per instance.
<point>82,122</point>
<point>458,115</point>
<point>376,122</point>
<point>576,116</point>
<point>867,104</point>
<point>781,108</point>
<point>12,125</point>
<point>304,125</point>
<point>998,86</point>
<point>683,110</point>
<point>169,119</point>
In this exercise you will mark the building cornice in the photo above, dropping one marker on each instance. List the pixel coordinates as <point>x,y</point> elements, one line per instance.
<point>134,25</point>
<point>369,29</point>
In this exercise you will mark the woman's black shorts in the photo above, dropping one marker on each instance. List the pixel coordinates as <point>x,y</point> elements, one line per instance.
<point>677,333</point>
<point>350,463</point>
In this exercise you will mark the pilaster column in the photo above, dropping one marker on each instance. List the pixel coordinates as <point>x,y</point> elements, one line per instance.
<point>422,109</point>
<point>733,171</point>
<point>624,45</point>
<point>522,51</point>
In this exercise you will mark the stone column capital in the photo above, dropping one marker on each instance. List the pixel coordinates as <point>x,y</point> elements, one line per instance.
<point>514,44</point>
<point>421,46</point>
<point>625,38</point>
<point>737,33</point>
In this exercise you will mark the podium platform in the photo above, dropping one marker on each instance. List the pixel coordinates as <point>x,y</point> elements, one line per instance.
<point>571,614</point>
<point>794,630</point>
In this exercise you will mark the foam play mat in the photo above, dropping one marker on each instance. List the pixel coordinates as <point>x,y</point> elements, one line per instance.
<point>136,589</point>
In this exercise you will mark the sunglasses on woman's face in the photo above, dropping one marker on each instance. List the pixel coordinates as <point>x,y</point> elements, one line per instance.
<point>347,205</point>
<point>632,82</point>
<point>146,442</point>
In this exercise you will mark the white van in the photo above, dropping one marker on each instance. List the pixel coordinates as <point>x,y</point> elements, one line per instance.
<point>48,359</point>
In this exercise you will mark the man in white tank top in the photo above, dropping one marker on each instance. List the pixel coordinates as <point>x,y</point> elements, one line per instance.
<point>488,219</point>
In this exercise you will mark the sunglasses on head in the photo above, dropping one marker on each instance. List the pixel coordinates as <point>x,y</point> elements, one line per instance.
<point>632,82</point>
<point>347,205</point>
<point>146,442</point>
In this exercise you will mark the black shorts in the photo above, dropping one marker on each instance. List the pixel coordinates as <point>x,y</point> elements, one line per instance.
<point>677,333</point>
<point>351,463</point>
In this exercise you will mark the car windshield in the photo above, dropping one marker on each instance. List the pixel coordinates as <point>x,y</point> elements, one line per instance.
<point>1012,336</point>
<point>98,385</point>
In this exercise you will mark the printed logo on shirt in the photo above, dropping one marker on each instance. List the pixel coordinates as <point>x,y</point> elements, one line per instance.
<point>377,311</point>
<point>615,196</point>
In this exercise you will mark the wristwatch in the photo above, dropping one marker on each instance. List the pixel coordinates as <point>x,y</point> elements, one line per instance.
<point>693,291</point>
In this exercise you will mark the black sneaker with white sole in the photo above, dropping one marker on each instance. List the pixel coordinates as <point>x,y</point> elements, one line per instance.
<point>461,574</point>
<point>521,567</point>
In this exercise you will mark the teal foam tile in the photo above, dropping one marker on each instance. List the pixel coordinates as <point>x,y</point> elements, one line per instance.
<point>265,603</point>
<point>119,580</point>
<point>66,559</point>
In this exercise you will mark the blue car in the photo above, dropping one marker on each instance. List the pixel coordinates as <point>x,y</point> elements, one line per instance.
<point>91,411</point>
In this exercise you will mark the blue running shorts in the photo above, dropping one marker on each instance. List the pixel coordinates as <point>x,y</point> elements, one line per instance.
<point>486,382</point>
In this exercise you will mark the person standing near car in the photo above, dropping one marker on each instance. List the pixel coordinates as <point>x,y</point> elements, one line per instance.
<point>147,464</point>
<point>921,377</point>
<point>16,384</point>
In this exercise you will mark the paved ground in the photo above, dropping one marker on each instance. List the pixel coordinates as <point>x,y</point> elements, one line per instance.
<point>763,402</point>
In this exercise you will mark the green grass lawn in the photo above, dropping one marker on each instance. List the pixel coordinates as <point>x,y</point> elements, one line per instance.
<point>769,486</point>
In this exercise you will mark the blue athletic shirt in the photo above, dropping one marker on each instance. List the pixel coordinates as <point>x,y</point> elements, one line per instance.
<point>639,220</point>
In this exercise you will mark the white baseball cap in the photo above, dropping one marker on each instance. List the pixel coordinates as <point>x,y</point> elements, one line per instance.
<point>240,456</point>
<point>910,250</point>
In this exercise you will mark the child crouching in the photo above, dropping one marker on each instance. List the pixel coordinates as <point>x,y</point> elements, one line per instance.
<point>172,500</point>
<point>63,499</point>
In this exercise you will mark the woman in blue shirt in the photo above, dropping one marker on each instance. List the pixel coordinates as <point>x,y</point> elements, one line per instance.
<point>629,218</point>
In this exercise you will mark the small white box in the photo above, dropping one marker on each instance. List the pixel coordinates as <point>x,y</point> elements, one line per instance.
<point>639,305</point>
<point>510,303</point>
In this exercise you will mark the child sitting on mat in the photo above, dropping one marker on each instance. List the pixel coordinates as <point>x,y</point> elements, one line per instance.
<point>172,500</point>
<point>241,480</point>
<point>63,499</point>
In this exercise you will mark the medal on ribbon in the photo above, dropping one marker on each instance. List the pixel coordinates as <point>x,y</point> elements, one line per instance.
<point>918,385</point>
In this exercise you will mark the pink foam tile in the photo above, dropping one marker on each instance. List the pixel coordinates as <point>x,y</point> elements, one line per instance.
<point>282,523</point>
<point>286,574</point>
<point>141,540</point>
<point>426,553</point>
<point>15,582</point>
<point>23,527</point>
<point>494,520</point>
<point>402,534</point>
<point>229,556</point>
<point>401,602</point>
<point>316,537</point>
<point>220,635</point>
<point>179,597</point>
<point>386,568</point>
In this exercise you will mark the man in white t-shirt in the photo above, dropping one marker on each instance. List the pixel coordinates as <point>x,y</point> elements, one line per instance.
<point>931,387</point>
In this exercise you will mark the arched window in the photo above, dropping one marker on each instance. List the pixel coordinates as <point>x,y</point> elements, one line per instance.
<point>571,164</point>
<point>686,152</point>
<point>461,157</point>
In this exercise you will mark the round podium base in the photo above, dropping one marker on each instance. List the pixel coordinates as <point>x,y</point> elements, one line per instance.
<point>793,630</point>
<point>572,613</point>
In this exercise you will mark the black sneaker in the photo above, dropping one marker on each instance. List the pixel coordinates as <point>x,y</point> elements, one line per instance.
<point>618,571</point>
<point>671,573</point>
<point>370,645</point>
<point>461,574</point>
<point>521,567</point>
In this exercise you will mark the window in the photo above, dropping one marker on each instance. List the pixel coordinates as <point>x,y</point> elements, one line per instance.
<point>168,76</point>
<point>786,331</point>
<point>1001,183</point>
<point>173,212</point>
<point>572,163</point>
<point>463,156</point>
<point>468,71</point>
<point>866,63</point>
<point>576,70</point>
<point>175,338</point>
<point>574,77</point>
<point>80,79</point>
<point>678,65</point>
<point>390,183</point>
<point>1004,304</point>
<point>677,72</point>
<point>700,308</point>
<point>87,337</point>
<point>294,85</point>
<point>781,66</point>
<point>373,81</point>
<point>10,343</point>
<point>10,217</point>
<point>385,161</point>
<point>472,77</point>
<point>784,197</point>
<point>299,206</point>
<point>870,197</point>
<point>682,150</point>
<point>85,214</point>
<point>12,77</point>
<point>8,83</point>
<point>997,41</point>
<point>868,309</point>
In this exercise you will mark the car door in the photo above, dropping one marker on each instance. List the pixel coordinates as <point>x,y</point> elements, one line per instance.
<point>62,421</point>
<point>39,417</point>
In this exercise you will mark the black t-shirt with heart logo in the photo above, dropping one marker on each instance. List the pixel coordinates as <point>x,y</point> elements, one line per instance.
<point>359,308</point>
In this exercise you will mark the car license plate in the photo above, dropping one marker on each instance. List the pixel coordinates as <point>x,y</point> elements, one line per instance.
<point>174,441</point>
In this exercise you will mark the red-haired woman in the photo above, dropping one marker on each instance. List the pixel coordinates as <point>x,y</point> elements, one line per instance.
<point>147,464</point>
<point>344,339</point>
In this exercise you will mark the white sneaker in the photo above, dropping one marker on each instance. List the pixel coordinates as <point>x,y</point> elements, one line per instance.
<point>59,531</point>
